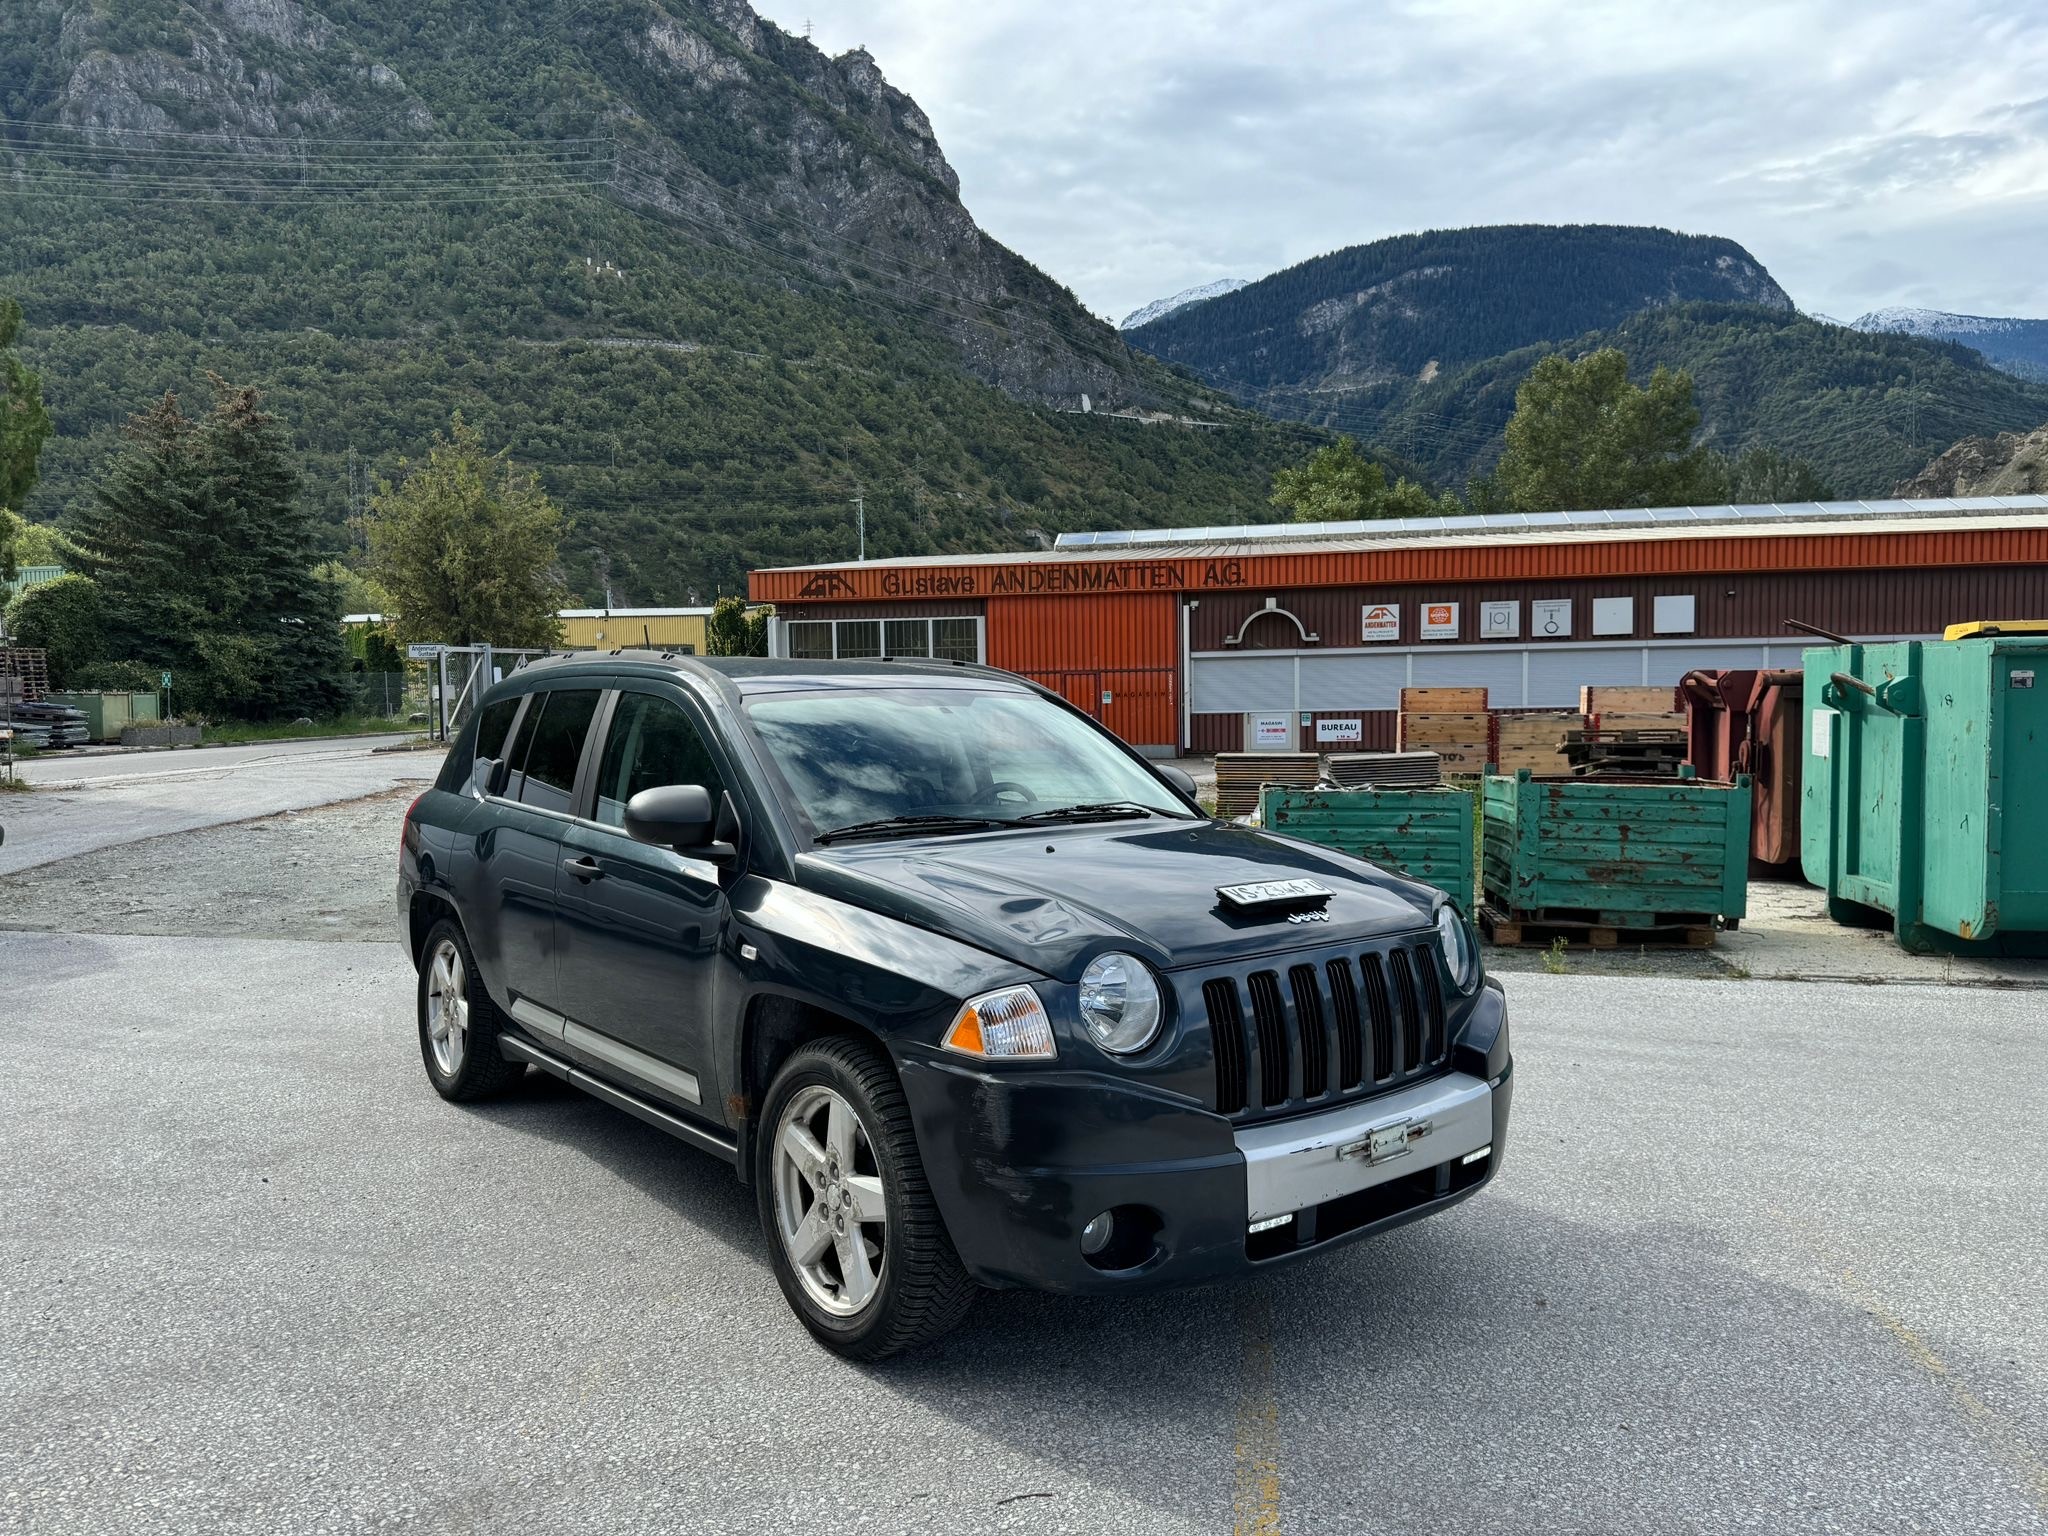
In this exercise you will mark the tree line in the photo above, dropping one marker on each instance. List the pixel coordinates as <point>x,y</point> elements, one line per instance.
<point>197,556</point>
<point>1582,437</point>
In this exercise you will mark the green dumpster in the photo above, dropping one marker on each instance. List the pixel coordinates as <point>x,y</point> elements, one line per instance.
<point>1656,859</point>
<point>1424,832</point>
<point>107,713</point>
<point>1926,790</point>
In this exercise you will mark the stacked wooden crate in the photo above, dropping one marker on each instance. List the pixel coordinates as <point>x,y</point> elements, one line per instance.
<point>1239,775</point>
<point>1409,768</point>
<point>1629,730</point>
<point>1452,723</point>
<point>1534,742</point>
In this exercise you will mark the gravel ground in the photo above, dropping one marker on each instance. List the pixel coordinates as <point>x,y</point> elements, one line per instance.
<point>1764,1258</point>
<point>326,873</point>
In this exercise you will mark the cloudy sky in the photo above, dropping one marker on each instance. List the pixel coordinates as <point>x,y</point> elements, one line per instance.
<point>1867,153</point>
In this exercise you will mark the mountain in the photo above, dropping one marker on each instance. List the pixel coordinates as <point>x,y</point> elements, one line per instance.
<point>1417,345</point>
<point>2010,464</point>
<point>1159,309</point>
<point>1402,310</point>
<point>2018,346</point>
<point>708,281</point>
<point>1863,408</point>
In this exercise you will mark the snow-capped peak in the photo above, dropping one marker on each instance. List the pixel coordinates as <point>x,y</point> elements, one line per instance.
<point>1933,322</point>
<point>1159,309</point>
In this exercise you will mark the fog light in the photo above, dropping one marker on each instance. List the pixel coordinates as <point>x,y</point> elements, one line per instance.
<point>1095,1236</point>
<point>1270,1223</point>
<point>1484,1152</point>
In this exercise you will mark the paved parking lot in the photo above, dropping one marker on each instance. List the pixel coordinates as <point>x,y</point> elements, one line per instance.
<point>1765,1257</point>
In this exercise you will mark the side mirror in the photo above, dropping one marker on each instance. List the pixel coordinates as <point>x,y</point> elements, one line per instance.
<point>1179,778</point>
<point>486,777</point>
<point>679,816</point>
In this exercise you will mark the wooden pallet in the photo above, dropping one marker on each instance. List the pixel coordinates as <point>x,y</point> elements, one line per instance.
<point>31,667</point>
<point>1443,701</point>
<point>1463,739</point>
<point>1608,698</point>
<point>1534,742</point>
<point>1240,774</point>
<point>1540,930</point>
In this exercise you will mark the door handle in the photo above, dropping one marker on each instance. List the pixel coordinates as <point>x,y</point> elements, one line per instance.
<point>584,868</point>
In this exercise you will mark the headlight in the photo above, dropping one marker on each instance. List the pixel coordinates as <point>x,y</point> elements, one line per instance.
<point>1003,1025</point>
<point>1120,1003</point>
<point>1461,955</point>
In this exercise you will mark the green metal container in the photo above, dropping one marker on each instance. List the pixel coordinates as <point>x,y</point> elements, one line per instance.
<point>107,713</point>
<point>1617,853</point>
<point>1926,790</point>
<point>1424,832</point>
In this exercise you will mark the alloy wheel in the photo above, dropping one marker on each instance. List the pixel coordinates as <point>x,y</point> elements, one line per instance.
<point>447,1008</point>
<point>830,1209</point>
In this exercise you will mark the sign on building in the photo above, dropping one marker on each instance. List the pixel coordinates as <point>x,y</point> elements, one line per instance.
<point>1382,622</point>
<point>1272,733</point>
<point>1614,616</point>
<point>1439,621</point>
<point>420,652</point>
<point>1550,618</point>
<point>1500,621</point>
<point>1352,729</point>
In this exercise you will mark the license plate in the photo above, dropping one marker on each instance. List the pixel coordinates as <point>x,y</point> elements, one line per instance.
<point>1385,1142</point>
<point>1273,893</point>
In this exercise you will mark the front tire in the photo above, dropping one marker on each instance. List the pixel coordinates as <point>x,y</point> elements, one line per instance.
<point>856,1239</point>
<point>459,1022</point>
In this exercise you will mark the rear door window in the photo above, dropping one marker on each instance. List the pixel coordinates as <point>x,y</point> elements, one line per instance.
<point>555,746</point>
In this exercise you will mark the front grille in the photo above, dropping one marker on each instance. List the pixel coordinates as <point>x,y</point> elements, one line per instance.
<point>1377,1016</point>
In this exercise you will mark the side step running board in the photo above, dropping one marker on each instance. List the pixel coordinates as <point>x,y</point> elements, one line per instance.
<point>704,1140</point>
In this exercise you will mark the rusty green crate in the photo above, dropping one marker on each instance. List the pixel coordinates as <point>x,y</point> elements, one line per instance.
<point>1422,831</point>
<point>1618,853</point>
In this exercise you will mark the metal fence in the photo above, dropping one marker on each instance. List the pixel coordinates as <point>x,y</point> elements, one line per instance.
<point>393,695</point>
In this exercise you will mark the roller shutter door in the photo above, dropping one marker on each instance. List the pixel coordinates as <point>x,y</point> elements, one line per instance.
<point>1229,685</point>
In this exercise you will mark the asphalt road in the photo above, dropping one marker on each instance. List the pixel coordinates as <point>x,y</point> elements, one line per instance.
<point>84,803</point>
<point>1765,1257</point>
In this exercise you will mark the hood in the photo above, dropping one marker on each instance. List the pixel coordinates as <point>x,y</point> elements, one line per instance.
<point>1055,897</point>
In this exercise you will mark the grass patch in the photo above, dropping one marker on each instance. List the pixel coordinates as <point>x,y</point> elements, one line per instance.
<point>236,732</point>
<point>13,786</point>
<point>1553,958</point>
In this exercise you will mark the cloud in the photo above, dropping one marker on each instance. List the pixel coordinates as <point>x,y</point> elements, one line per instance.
<point>1867,153</point>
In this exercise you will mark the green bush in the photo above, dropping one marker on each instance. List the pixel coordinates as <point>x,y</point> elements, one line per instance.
<point>115,677</point>
<point>63,617</point>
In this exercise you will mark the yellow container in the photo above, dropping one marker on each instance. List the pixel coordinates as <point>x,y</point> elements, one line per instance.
<point>1996,627</point>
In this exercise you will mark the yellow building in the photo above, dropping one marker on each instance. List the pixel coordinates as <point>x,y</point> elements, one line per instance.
<point>607,629</point>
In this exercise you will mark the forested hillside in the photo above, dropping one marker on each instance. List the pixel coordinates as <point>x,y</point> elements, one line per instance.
<point>1863,409</point>
<point>1401,309</point>
<point>711,282</point>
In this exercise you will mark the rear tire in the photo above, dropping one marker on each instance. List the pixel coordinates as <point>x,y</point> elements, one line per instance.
<point>856,1238</point>
<point>458,1021</point>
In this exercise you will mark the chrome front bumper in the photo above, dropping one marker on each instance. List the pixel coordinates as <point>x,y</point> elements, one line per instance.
<point>1293,1165</point>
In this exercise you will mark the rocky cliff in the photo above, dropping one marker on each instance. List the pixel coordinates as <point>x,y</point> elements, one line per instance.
<point>2008,464</point>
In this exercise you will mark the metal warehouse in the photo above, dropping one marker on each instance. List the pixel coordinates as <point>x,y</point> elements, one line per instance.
<point>1199,639</point>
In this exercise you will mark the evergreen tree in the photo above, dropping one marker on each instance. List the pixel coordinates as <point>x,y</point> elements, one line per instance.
<point>467,545</point>
<point>205,561</point>
<point>289,618</point>
<point>734,629</point>
<point>1583,436</point>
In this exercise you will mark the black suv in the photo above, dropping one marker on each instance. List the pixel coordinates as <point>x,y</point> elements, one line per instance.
<point>968,991</point>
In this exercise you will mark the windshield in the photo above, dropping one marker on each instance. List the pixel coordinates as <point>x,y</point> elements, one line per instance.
<point>852,757</point>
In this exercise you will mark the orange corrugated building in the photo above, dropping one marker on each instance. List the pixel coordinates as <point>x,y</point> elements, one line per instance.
<point>1179,639</point>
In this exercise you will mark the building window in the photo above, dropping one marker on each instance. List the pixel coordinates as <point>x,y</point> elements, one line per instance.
<point>907,637</point>
<point>810,640</point>
<point>859,639</point>
<point>864,639</point>
<point>956,640</point>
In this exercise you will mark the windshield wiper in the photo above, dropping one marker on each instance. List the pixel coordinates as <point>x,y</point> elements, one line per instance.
<point>927,823</point>
<point>1098,810</point>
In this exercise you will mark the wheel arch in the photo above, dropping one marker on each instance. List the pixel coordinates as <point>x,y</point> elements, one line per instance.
<point>774,1028</point>
<point>426,909</point>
